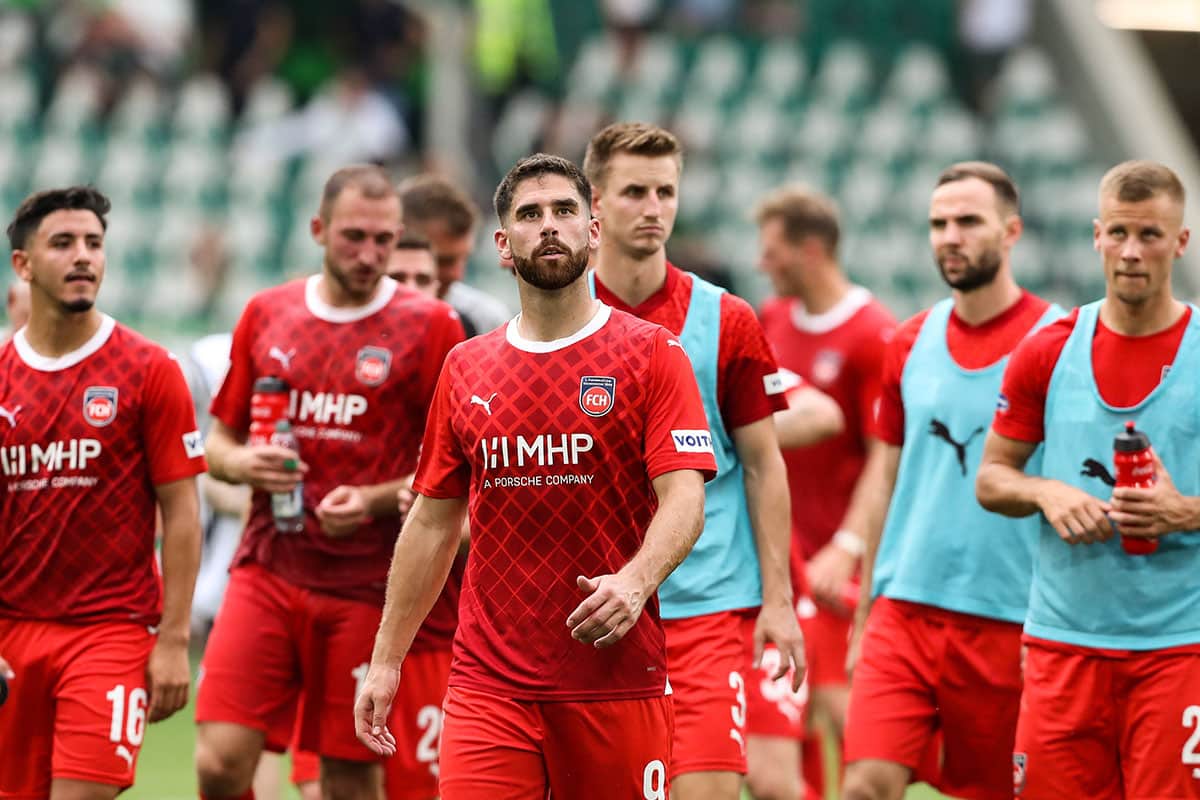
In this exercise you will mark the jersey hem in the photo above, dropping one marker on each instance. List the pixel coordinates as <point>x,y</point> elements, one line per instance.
<point>958,605</point>
<point>697,609</point>
<point>1135,643</point>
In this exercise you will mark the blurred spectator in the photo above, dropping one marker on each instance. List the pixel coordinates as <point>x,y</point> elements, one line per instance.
<point>348,122</point>
<point>244,40</point>
<point>988,30</point>
<point>16,309</point>
<point>515,46</point>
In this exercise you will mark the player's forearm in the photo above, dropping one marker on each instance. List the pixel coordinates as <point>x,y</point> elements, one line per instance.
<point>863,513</point>
<point>421,562</point>
<point>381,497</point>
<point>769,504</point>
<point>672,532</point>
<point>810,417</point>
<point>180,557</point>
<point>218,448</point>
<point>224,497</point>
<point>1006,490</point>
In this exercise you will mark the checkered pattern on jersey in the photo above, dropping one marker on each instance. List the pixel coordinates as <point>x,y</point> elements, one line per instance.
<point>360,394</point>
<point>78,536</point>
<point>530,542</point>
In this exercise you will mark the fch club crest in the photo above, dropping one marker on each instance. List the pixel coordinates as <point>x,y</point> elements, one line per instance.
<point>597,394</point>
<point>373,365</point>
<point>100,405</point>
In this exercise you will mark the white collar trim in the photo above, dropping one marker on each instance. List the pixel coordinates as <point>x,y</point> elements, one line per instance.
<point>42,363</point>
<point>598,321</point>
<point>835,317</point>
<point>322,310</point>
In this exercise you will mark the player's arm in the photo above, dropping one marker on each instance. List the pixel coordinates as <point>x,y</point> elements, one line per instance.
<point>421,562</point>
<point>1003,487</point>
<point>263,466</point>
<point>876,484</point>
<point>615,602</point>
<point>811,416</point>
<point>834,564</point>
<point>769,504</point>
<point>168,671</point>
<point>345,508</point>
<point>1155,511</point>
<point>224,498</point>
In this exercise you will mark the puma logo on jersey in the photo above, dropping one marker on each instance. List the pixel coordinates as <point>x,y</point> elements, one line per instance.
<point>123,753</point>
<point>476,400</point>
<point>938,429</point>
<point>11,416</point>
<point>674,343</point>
<point>1094,469</point>
<point>284,359</point>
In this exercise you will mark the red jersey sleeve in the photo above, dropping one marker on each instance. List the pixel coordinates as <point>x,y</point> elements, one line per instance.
<point>443,470</point>
<point>1021,407</point>
<point>748,387</point>
<point>445,331</point>
<point>677,434</point>
<point>231,404</point>
<point>174,447</point>
<point>889,415</point>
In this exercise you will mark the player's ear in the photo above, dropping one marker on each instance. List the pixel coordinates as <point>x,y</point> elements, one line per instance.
<point>1096,235</point>
<point>1014,226</point>
<point>1181,246</point>
<point>316,227</point>
<point>503,247</point>
<point>593,233</point>
<point>20,264</point>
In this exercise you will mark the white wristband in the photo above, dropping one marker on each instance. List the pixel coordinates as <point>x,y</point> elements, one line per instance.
<point>849,542</point>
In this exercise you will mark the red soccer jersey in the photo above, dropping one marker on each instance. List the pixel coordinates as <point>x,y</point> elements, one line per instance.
<point>971,347</point>
<point>84,439</point>
<point>744,359</point>
<point>839,352</point>
<point>361,382</point>
<point>556,444</point>
<point>1127,369</point>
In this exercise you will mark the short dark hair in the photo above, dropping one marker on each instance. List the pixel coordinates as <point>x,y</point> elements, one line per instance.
<point>429,199</point>
<point>39,205</point>
<point>1004,187</point>
<point>535,166</point>
<point>1135,181</point>
<point>373,181</point>
<point>803,213</point>
<point>413,241</point>
<point>635,138</point>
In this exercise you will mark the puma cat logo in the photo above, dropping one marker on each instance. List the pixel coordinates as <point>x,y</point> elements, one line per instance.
<point>938,429</point>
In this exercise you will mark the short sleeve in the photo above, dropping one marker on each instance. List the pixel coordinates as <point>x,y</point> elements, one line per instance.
<point>443,470</point>
<point>231,404</point>
<point>174,446</point>
<point>445,331</point>
<point>677,434</point>
<point>1021,407</point>
<point>748,383</point>
<point>888,424</point>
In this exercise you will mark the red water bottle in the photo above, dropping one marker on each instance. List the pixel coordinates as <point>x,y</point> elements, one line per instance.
<point>1135,469</point>
<point>268,405</point>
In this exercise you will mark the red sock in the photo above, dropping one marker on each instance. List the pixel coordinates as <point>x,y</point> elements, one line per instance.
<point>248,795</point>
<point>813,758</point>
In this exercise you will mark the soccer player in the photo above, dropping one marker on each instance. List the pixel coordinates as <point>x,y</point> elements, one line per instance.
<point>96,431</point>
<point>946,586</point>
<point>734,592</point>
<point>361,357</point>
<point>576,437</point>
<point>16,308</point>
<point>439,211</point>
<point>412,264</point>
<point>832,334</point>
<point>1111,703</point>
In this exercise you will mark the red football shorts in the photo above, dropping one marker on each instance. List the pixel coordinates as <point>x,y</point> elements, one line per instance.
<point>826,639</point>
<point>708,658</point>
<point>273,644</point>
<point>925,670</point>
<point>76,709</point>
<point>1108,724</point>
<point>494,748</point>
<point>415,721</point>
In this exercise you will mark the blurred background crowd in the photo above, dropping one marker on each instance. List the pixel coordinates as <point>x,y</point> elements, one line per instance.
<point>213,123</point>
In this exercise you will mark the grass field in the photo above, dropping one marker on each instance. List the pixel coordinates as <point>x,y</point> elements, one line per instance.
<point>165,766</point>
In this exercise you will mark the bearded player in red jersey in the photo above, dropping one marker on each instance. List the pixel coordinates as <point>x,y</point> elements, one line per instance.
<point>831,333</point>
<point>361,355</point>
<point>96,431</point>
<point>576,437</point>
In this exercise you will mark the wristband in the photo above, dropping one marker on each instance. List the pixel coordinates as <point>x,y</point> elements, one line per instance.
<point>849,543</point>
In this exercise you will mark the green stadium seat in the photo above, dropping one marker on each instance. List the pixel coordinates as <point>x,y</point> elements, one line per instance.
<point>656,67</point>
<point>138,111</point>
<point>781,72</point>
<point>821,133</point>
<point>864,193</point>
<point>844,75</point>
<point>268,100</point>
<point>519,126</point>
<point>757,126</point>
<point>20,105</point>
<point>699,188</point>
<point>918,78</point>
<point>1027,81</point>
<point>75,103</point>
<point>17,37</point>
<point>699,125</point>
<point>59,162</point>
<point>594,71</point>
<point>887,133</point>
<point>950,134</point>
<point>203,108</point>
<point>718,70</point>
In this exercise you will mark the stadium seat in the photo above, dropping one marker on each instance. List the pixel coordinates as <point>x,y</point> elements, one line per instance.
<point>203,108</point>
<point>75,102</point>
<point>918,78</point>
<point>519,127</point>
<point>268,100</point>
<point>1027,81</point>
<point>59,162</point>
<point>139,109</point>
<point>17,36</point>
<point>699,125</point>
<point>844,75</point>
<point>780,74</point>
<point>19,108</point>
<point>887,133</point>
<point>718,70</point>
<point>656,67</point>
<point>594,70</point>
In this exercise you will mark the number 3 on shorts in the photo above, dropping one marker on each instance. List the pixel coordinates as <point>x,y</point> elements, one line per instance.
<point>654,781</point>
